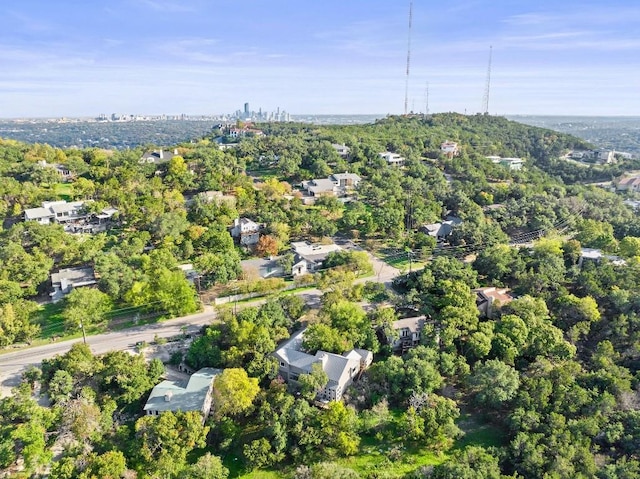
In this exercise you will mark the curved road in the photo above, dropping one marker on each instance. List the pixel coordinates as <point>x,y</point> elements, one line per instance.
<point>13,363</point>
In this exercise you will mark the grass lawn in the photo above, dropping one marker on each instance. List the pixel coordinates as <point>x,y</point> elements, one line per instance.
<point>376,455</point>
<point>63,190</point>
<point>478,433</point>
<point>49,318</point>
<point>403,263</point>
<point>261,475</point>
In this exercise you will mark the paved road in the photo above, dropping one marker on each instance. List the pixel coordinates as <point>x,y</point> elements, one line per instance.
<point>12,364</point>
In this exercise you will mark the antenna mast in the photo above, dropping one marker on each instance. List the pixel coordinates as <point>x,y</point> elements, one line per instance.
<point>406,84</point>
<point>426,100</point>
<point>487,88</point>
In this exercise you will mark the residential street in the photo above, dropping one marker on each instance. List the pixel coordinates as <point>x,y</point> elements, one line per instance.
<point>12,364</point>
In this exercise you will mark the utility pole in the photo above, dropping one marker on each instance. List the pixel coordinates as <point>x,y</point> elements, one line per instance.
<point>84,336</point>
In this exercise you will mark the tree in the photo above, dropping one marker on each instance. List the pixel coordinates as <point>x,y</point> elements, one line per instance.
<point>165,290</point>
<point>234,392</point>
<point>267,246</point>
<point>85,307</point>
<point>630,247</point>
<point>311,383</point>
<point>126,377</point>
<point>322,337</point>
<point>206,467</point>
<point>339,424</point>
<point>257,453</point>
<point>164,441</point>
<point>81,417</point>
<point>494,383</point>
<point>110,465</point>
<point>15,322</point>
<point>60,386</point>
<point>472,462</point>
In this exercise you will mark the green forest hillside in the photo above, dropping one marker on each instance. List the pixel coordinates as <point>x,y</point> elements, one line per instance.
<point>542,382</point>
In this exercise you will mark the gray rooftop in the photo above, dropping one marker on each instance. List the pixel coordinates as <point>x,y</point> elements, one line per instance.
<point>321,185</point>
<point>180,395</point>
<point>74,277</point>
<point>415,324</point>
<point>37,213</point>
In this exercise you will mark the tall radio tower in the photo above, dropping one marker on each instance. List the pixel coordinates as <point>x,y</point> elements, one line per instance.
<point>487,88</point>
<point>406,83</point>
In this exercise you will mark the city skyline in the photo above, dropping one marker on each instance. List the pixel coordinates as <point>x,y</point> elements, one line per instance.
<point>168,56</point>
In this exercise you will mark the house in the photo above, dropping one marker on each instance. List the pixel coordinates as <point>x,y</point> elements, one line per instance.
<point>262,268</point>
<point>633,204</point>
<point>630,184</point>
<point>450,148</point>
<point>56,212</point>
<point>338,184</point>
<point>440,231</point>
<point>341,370</point>
<point>158,156</point>
<point>511,163</point>
<point>342,150</point>
<point>604,156</point>
<point>245,231</point>
<point>65,280</point>
<point>392,159</point>
<point>217,197</point>
<point>64,172</point>
<point>243,130</point>
<point>93,222</point>
<point>596,255</point>
<point>489,299</point>
<point>73,216</point>
<point>196,394</point>
<point>409,331</point>
<point>309,256</point>
<point>190,273</point>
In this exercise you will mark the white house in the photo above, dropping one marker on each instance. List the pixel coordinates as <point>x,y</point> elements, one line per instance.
<point>511,163</point>
<point>392,159</point>
<point>246,231</point>
<point>450,148</point>
<point>487,299</point>
<point>342,150</point>
<point>56,212</point>
<point>341,370</point>
<point>338,184</point>
<point>73,216</point>
<point>596,255</point>
<point>309,256</point>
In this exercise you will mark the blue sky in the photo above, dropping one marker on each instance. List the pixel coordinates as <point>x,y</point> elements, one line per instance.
<point>85,57</point>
